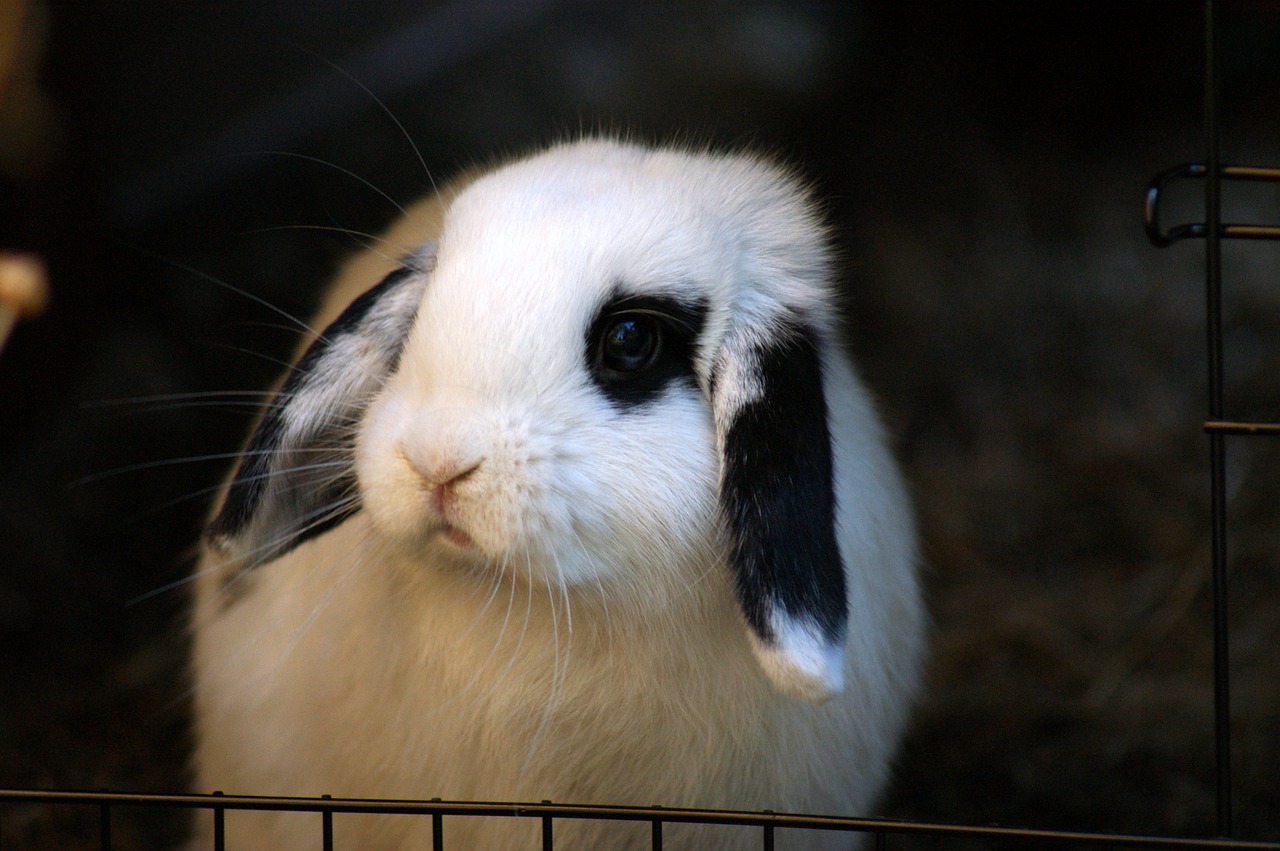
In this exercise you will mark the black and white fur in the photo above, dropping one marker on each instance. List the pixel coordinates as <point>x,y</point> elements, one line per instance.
<point>582,502</point>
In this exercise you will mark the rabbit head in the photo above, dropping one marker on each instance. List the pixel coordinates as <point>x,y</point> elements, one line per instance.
<point>606,373</point>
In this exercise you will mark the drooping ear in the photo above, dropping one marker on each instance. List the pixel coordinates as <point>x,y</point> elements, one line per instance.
<point>296,476</point>
<point>776,492</point>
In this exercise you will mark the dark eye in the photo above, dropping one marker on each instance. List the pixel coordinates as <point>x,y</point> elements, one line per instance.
<point>631,343</point>
<point>638,345</point>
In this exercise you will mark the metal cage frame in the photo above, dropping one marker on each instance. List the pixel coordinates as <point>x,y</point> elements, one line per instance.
<point>1218,429</point>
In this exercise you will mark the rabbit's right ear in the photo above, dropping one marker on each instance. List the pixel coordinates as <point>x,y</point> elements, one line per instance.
<point>296,476</point>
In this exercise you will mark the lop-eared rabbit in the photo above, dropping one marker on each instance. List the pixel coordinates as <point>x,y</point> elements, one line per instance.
<point>575,497</point>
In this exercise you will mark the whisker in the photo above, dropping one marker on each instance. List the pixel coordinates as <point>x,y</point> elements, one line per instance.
<point>174,397</point>
<point>524,633</point>
<point>289,366</point>
<point>342,170</point>
<point>267,625</point>
<point>559,664</point>
<point>330,593</point>
<point>166,588</point>
<point>363,235</point>
<point>200,493</point>
<point>365,240</point>
<point>480,672</point>
<point>386,111</point>
<point>143,466</point>
<point>306,523</point>
<point>229,406</point>
<point>294,321</point>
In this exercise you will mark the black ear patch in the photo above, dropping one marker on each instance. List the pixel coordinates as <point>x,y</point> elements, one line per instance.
<point>778,498</point>
<point>296,477</point>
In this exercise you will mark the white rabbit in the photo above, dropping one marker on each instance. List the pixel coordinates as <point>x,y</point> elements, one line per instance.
<point>583,502</point>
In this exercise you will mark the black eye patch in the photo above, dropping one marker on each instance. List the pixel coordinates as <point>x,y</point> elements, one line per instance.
<point>638,344</point>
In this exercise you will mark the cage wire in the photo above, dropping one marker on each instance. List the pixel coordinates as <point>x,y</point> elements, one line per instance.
<point>1218,430</point>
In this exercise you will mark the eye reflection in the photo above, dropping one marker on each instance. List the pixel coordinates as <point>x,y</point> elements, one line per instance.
<point>631,343</point>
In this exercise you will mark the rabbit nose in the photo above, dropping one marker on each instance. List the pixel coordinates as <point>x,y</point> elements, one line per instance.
<point>443,493</point>
<point>445,474</point>
<point>441,476</point>
<point>442,449</point>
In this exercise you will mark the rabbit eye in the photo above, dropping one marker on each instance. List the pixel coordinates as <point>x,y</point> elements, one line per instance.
<point>631,343</point>
<point>638,345</point>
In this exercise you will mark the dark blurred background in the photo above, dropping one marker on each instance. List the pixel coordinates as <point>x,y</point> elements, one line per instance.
<point>178,164</point>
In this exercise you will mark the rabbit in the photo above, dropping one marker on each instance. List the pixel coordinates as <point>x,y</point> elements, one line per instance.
<point>577,497</point>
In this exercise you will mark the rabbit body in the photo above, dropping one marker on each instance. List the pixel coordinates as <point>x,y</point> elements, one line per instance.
<point>529,583</point>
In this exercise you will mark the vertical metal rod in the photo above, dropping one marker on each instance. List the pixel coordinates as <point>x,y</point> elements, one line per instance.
<point>656,841</point>
<point>326,826</point>
<point>104,824</point>
<point>219,827</point>
<point>547,841</point>
<point>437,829</point>
<point>1217,447</point>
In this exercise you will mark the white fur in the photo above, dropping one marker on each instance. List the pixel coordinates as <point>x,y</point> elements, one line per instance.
<point>801,661</point>
<point>535,601</point>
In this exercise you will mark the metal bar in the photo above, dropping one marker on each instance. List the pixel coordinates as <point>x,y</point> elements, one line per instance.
<point>437,829</point>
<point>627,813</point>
<point>656,837</point>
<point>104,826</point>
<point>1229,427</point>
<point>1217,441</point>
<point>1250,231</point>
<point>1263,174</point>
<point>548,843</point>
<point>219,827</point>
<point>326,826</point>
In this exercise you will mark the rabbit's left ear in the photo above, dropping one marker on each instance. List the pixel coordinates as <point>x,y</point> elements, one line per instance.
<point>776,492</point>
<point>296,476</point>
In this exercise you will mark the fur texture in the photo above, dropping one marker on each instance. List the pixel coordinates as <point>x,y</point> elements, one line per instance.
<point>530,570</point>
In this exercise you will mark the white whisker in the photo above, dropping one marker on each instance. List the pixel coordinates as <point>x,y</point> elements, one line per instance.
<point>153,465</point>
<point>177,397</point>
<point>306,523</point>
<point>342,170</point>
<point>367,241</point>
<point>386,111</point>
<point>294,321</point>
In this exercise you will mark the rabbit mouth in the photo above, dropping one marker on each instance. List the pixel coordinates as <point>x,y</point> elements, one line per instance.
<point>457,538</point>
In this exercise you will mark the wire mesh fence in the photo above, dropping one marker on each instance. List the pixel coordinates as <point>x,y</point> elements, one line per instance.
<point>767,824</point>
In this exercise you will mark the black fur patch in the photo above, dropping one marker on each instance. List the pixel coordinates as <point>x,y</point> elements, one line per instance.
<point>777,493</point>
<point>678,324</point>
<point>295,482</point>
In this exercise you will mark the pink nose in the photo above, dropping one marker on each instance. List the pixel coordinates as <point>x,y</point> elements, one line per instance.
<point>441,478</point>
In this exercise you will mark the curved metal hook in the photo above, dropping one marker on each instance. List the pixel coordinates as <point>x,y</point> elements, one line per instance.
<point>1150,207</point>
